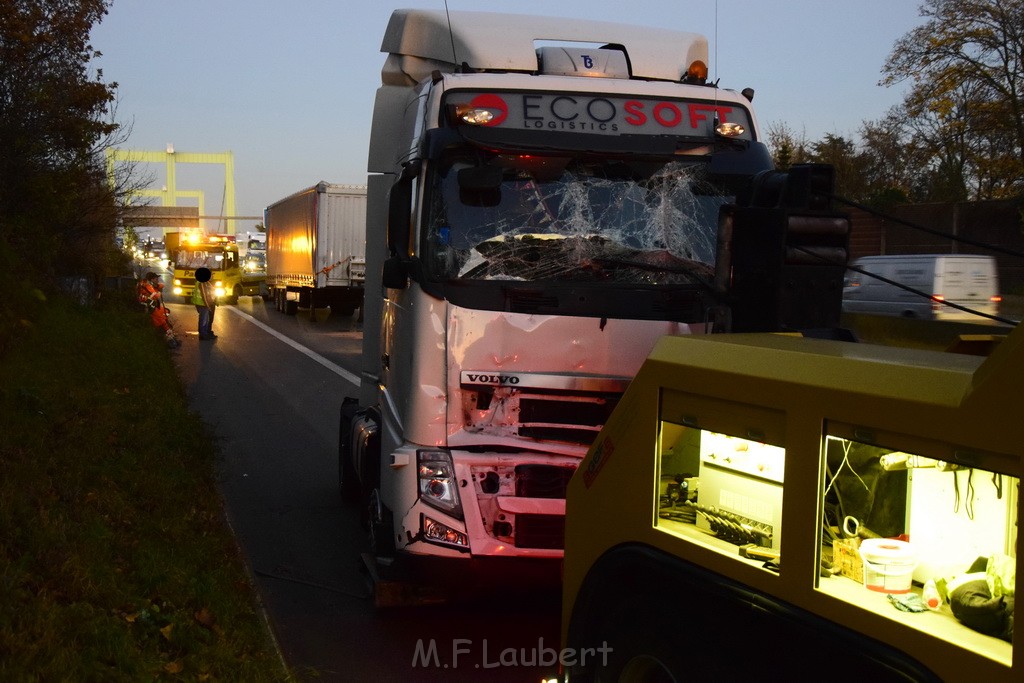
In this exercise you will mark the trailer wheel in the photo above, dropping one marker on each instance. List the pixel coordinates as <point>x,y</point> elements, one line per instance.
<point>291,307</point>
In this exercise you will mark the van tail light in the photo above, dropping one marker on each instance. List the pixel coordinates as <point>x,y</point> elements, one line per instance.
<point>996,299</point>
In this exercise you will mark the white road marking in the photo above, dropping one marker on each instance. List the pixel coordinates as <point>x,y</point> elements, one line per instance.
<point>336,369</point>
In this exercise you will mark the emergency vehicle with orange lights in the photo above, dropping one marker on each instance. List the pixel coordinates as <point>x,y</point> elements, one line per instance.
<point>189,251</point>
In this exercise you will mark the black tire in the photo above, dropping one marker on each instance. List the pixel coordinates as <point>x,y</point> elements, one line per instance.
<point>348,483</point>
<point>291,307</point>
<point>631,647</point>
<point>379,526</point>
<point>652,617</point>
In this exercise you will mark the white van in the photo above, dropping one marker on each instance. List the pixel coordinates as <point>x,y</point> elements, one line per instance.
<point>968,280</point>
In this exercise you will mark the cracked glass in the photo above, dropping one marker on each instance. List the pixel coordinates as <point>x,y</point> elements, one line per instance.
<point>546,219</point>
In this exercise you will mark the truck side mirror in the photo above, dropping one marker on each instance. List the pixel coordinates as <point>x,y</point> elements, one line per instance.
<point>400,211</point>
<point>395,273</point>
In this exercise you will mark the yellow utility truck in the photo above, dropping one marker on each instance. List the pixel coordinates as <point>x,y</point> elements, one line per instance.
<point>187,252</point>
<point>777,507</point>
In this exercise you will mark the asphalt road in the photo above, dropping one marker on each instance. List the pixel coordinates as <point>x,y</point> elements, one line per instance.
<point>270,387</point>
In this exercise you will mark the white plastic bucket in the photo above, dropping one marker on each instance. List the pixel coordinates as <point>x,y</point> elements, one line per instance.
<point>888,565</point>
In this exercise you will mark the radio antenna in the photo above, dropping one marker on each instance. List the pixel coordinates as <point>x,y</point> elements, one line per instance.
<point>716,42</point>
<point>716,121</point>
<point>451,35</point>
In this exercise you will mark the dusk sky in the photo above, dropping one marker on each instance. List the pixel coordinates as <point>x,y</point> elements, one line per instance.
<point>288,87</point>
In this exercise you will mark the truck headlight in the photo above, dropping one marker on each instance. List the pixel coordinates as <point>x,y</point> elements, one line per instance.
<point>437,482</point>
<point>442,534</point>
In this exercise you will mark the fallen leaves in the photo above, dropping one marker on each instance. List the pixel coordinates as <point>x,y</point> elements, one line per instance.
<point>205,618</point>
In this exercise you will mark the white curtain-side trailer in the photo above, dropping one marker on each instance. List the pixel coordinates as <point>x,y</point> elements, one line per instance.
<point>316,248</point>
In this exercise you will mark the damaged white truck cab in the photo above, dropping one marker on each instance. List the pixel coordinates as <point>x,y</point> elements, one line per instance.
<point>538,216</point>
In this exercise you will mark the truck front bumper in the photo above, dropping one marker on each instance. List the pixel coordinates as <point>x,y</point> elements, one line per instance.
<point>513,506</point>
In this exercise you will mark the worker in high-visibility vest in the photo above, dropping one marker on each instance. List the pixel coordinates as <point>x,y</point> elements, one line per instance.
<point>205,301</point>
<point>150,295</point>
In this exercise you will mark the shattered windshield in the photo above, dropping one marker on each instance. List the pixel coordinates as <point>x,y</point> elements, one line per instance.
<point>541,218</point>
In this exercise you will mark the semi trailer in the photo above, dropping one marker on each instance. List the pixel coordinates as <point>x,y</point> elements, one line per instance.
<point>315,248</point>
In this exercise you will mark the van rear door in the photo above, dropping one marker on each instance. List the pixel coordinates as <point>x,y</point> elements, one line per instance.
<point>970,281</point>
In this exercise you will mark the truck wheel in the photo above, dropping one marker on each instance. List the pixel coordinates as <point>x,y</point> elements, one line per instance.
<point>380,527</point>
<point>628,621</point>
<point>628,651</point>
<point>348,483</point>
<point>235,293</point>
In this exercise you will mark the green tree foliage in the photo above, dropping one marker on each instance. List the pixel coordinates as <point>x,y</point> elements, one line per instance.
<point>57,211</point>
<point>787,147</point>
<point>841,154</point>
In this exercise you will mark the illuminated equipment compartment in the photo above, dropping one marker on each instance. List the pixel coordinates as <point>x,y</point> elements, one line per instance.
<point>731,490</point>
<point>719,489</point>
<point>954,512</point>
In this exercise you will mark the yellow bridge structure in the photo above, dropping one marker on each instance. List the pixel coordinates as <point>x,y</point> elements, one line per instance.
<point>170,194</point>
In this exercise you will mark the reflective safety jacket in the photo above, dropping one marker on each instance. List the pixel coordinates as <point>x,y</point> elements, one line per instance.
<point>197,294</point>
<point>148,293</point>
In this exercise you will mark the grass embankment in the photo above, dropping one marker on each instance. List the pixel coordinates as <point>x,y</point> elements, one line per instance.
<point>116,562</point>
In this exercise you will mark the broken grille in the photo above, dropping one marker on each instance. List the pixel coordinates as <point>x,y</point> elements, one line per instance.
<point>573,419</point>
<point>545,532</point>
<point>542,481</point>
